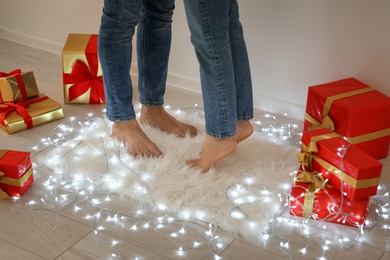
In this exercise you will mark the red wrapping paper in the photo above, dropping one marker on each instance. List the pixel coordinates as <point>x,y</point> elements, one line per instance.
<point>327,205</point>
<point>17,187</point>
<point>363,118</point>
<point>356,174</point>
<point>14,163</point>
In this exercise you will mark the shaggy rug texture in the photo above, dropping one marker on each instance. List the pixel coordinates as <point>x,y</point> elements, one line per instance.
<point>240,194</point>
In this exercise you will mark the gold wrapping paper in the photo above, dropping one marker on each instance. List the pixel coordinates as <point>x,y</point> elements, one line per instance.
<point>73,50</point>
<point>10,91</point>
<point>41,112</point>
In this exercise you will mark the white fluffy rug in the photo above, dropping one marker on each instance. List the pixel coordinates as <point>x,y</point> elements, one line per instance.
<point>240,194</point>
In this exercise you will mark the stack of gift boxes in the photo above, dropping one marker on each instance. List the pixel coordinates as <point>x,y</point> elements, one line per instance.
<point>22,106</point>
<point>346,131</point>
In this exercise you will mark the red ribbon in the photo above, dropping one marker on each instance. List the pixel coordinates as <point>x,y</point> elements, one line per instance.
<point>20,108</point>
<point>17,73</point>
<point>84,77</point>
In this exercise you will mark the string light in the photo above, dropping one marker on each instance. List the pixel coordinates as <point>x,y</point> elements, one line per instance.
<point>65,189</point>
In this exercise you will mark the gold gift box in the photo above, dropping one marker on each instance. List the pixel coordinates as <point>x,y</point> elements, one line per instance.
<point>73,51</point>
<point>41,112</point>
<point>9,88</point>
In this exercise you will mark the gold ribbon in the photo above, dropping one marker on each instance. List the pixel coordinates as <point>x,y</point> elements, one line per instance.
<point>308,204</point>
<point>317,182</point>
<point>2,153</point>
<point>306,156</point>
<point>17,182</point>
<point>3,195</point>
<point>357,184</point>
<point>352,140</point>
<point>327,122</point>
<point>369,136</point>
<point>315,178</point>
<point>329,100</point>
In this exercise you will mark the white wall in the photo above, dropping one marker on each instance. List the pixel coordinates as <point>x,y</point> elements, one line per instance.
<point>292,43</point>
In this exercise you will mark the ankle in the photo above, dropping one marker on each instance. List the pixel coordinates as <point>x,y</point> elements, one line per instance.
<point>151,109</point>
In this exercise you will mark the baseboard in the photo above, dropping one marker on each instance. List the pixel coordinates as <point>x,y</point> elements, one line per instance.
<point>31,41</point>
<point>277,106</point>
<point>261,102</point>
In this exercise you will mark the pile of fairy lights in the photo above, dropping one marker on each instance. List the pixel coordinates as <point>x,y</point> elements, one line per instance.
<point>90,200</point>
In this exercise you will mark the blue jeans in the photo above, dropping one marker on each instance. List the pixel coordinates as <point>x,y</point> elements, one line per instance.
<point>118,23</point>
<point>217,36</point>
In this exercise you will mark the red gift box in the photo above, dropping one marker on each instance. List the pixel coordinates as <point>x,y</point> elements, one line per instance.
<point>346,167</point>
<point>327,204</point>
<point>17,187</point>
<point>353,110</point>
<point>82,75</point>
<point>14,163</point>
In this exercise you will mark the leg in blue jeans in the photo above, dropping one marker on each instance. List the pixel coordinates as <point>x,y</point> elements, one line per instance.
<point>154,35</point>
<point>217,36</point>
<point>118,23</point>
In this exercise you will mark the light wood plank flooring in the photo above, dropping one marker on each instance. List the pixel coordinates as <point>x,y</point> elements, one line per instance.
<point>40,234</point>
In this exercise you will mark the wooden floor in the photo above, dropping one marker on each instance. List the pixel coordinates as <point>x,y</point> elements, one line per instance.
<point>52,233</point>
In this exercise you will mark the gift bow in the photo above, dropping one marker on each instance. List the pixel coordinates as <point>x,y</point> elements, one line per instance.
<point>84,77</point>
<point>14,72</point>
<point>316,180</point>
<point>327,122</point>
<point>20,108</point>
<point>3,195</point>
<point>306,156</point>
<point>17,73</point>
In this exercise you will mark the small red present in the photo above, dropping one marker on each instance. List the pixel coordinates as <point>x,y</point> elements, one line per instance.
<point>16,85</point>
<point>82,75</point>
<point>17,187</point>
<point>353,110</point>
<point>346,167</point>
<point>15,172</point>
<point>14,163</point>
<point>326,204</point>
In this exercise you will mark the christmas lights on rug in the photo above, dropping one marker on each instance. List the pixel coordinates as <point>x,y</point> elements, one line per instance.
<point>81,170</point>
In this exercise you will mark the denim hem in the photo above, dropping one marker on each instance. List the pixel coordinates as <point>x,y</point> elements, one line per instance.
<point>245,118</point>
<point>121,119</point>
<point>149,103</point>
<point>221,136</point>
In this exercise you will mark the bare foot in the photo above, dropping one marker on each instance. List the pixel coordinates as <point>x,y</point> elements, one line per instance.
<point>156,116</point>
<point>134,139</point>
<point>244,130</point>
<point>214,150</point>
